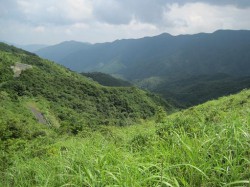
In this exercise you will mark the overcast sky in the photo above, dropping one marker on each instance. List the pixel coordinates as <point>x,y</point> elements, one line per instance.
<point>54,21</point>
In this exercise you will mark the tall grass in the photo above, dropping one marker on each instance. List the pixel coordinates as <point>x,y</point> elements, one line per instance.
<point>208,145</point>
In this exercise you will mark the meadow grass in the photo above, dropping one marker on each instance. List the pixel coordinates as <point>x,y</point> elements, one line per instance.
<point>207,145</point>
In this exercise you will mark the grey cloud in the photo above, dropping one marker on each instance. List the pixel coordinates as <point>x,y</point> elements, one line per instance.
<point>60,18</point>
<point>148,11</point>
<point>111,12</point>
<point>238,3</point>
<point>122,12</point>
<point>12,10</point>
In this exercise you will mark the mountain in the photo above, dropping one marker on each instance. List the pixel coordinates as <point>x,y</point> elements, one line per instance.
<point>165,55</point>
<point>106,79</point>
<point>184,68</point>
<point>63,98</point>
<point>60,128</point>
<point>60,51</point>
<point>194,90</point>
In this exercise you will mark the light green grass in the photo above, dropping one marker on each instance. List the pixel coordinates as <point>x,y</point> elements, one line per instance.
<point>208,145</point>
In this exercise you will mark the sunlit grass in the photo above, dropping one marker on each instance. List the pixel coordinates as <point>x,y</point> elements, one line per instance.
<point>207,145</point>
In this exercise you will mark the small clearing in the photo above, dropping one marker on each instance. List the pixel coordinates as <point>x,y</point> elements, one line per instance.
<point>19,67</point>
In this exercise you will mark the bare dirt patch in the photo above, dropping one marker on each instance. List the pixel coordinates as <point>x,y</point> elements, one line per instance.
<point>19,67</point>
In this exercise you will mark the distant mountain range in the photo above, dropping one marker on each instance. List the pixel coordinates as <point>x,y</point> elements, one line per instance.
<point>157,62</point>
<point>163,55</point>
<point>63,50</point>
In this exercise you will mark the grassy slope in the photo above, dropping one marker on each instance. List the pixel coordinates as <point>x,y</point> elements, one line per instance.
<point>207,145</point>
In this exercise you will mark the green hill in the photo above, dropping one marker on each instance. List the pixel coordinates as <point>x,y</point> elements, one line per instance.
<point>67,98</point>
<point>207,145</point>
<point>58,128</point>
<point>106,79</point>
<point>194,90</point>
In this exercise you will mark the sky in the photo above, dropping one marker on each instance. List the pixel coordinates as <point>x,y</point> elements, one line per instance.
<point>95,21</point>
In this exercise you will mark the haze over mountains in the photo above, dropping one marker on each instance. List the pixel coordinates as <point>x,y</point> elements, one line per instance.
<point>219,52</point>
<point>156,63</point>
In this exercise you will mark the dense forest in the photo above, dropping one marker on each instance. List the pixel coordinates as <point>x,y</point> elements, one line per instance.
<point>106,79</point>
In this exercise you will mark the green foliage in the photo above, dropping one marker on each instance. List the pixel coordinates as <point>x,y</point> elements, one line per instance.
<point>186,70</point>
<point>107,80</point>
<point>73,100</point>
<point>161,115</point>
<point>192,90</point>
<point>207,145</point>
<point>11,49</point>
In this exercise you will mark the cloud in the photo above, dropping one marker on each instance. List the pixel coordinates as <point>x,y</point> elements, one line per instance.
<point>22,21</point>
<point>39,29</point>
<point>48,12</point>
<point>238,3</point>
<point>201,17</point>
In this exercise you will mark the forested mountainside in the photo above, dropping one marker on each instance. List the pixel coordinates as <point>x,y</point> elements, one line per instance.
<point>189,69</point>
<point>106,79</point>
<point>192,90</point>
<point>63,97</point>
<point>223,51</point>
<point>206,145</point>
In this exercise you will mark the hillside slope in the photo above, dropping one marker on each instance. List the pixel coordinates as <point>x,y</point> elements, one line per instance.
<point>106,79</point>
<point>194,90</point>
<point>206,145</point>
<point>72,100</point>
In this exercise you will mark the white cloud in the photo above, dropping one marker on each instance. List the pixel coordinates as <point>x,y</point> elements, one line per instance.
<point>52,21</point>
<point>77,10</point>
<point>39,29</point>
<point>49,11</point>
<point>201,17</point>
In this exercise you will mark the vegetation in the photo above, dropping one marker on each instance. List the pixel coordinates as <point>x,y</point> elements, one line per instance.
<point>207,145</point>
<point>223,51</point>
<point>192,90</point>
<point>189,69</point>
<point>106,79</point>
<point>72,99</point>
<point>107,136</point>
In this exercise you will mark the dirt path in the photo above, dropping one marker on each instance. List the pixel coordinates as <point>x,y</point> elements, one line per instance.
<point>39,116</point>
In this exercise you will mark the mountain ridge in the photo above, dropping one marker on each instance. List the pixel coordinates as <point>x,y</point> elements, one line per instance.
<point>161,60</point>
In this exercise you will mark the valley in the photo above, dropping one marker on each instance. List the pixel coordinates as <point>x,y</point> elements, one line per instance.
<point>62,128</point>
<point>188,69</point>
<point>145,93</point>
